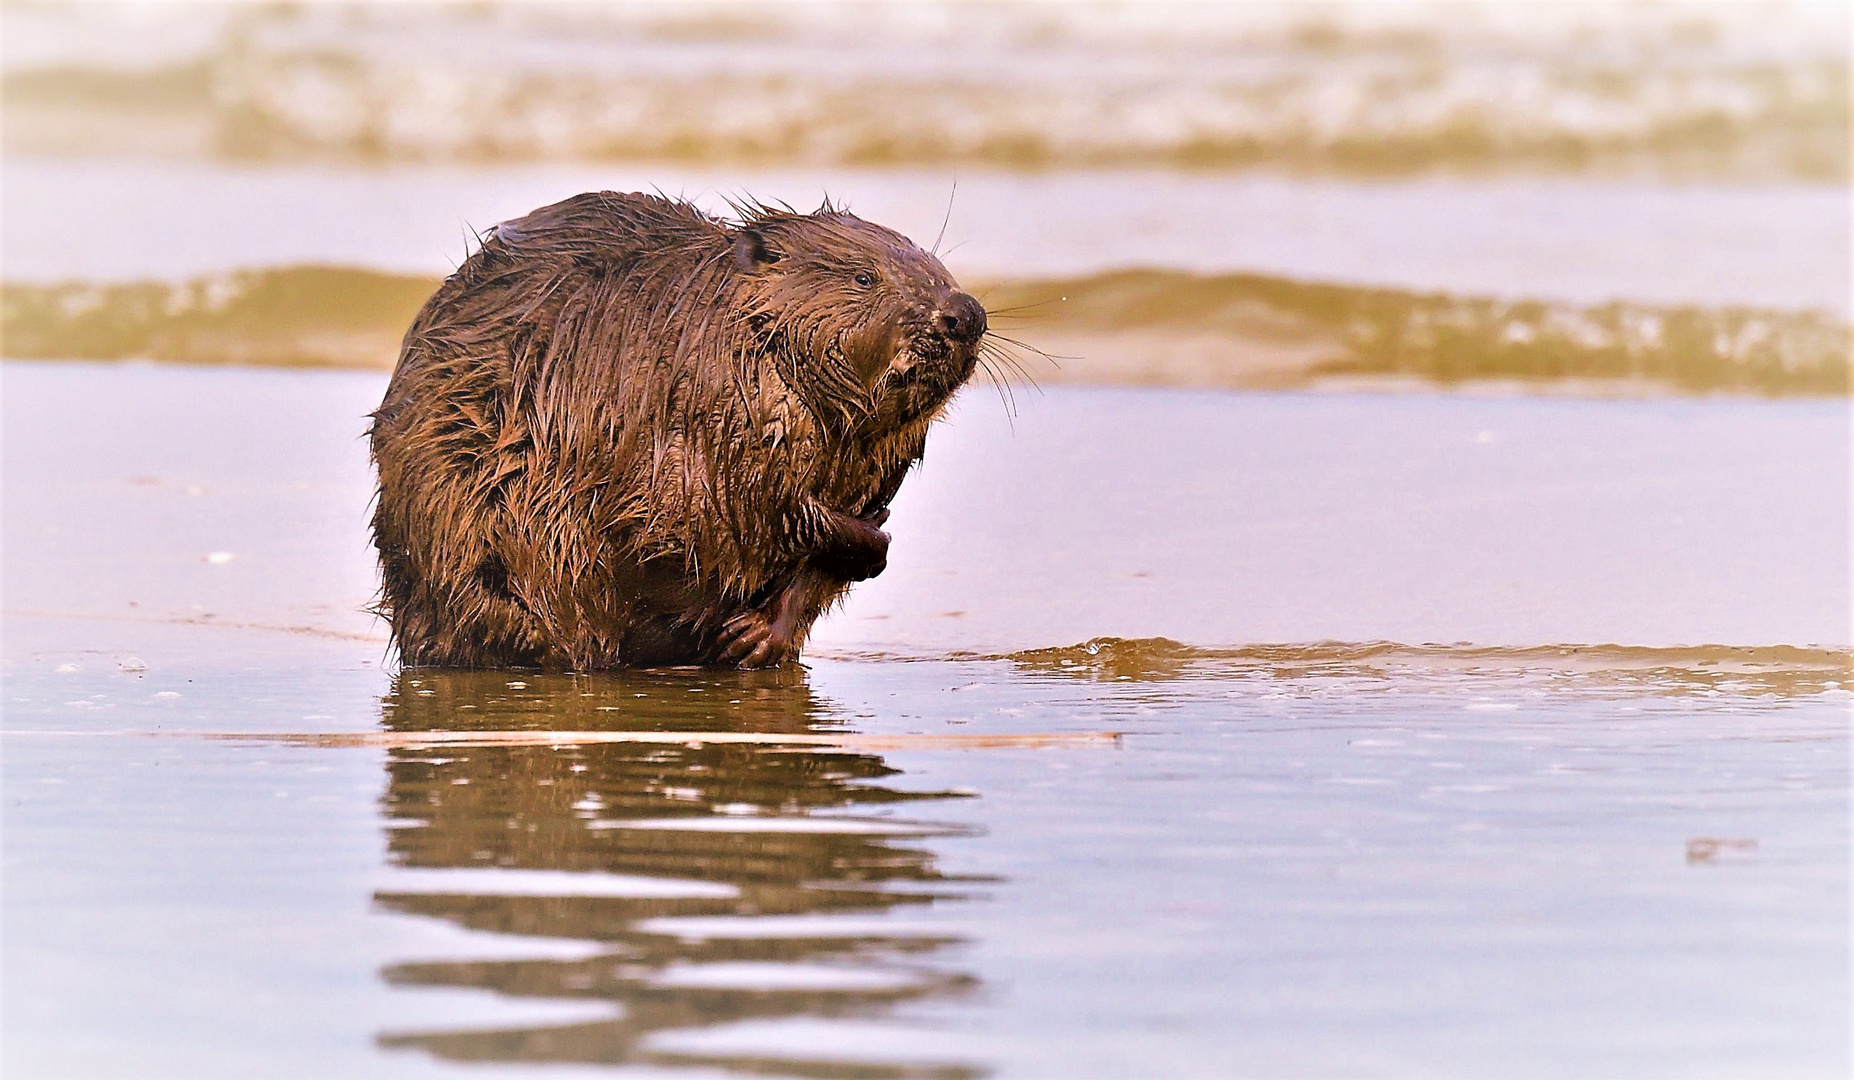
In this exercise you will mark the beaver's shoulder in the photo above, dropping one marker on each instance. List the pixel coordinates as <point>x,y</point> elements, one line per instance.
<point>525,270</point>
<point>604,227</point>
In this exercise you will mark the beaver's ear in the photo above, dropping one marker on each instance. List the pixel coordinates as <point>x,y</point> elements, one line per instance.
<point>751,250</point>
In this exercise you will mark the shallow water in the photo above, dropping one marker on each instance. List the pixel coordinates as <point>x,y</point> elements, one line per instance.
<point>1263,876</point>
<point>235,845</point>
<point>1576,240</point>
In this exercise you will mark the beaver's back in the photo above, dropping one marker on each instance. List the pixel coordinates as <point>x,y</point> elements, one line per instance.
<point>526,269</point>
<point>532,391</point>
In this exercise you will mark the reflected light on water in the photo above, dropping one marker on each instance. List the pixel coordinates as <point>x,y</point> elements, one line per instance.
<point>668,856</point>
<point>1782,670</point>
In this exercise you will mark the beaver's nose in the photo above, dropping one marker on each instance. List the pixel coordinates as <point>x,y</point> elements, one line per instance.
<point>961,318</point>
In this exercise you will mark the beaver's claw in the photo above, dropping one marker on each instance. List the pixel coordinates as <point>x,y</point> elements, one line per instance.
<point>754,639</point>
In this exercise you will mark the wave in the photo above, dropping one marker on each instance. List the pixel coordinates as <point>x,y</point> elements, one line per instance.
<point>1238,330</point>
<point>316,316</point>
<point>1152,327</point>
<point>1684,89</point>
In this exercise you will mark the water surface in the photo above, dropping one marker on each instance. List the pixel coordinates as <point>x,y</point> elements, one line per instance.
<point>1295,871</point>
<point>956,843</point>
<point>1571,239</point>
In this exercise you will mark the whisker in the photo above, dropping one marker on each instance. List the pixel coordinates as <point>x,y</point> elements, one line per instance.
<point>1002,356</point>
<point>1051,358</point>
<point>1017,309</point>
<point>1009,389</point>
<point>948,217</point>
<point>1025,376</point>
<point>1001,386</point>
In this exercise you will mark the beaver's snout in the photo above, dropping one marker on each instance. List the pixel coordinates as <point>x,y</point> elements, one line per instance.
<point>960,318</point>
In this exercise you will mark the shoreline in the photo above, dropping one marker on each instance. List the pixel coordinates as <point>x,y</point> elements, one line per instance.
<point>1132,327</point>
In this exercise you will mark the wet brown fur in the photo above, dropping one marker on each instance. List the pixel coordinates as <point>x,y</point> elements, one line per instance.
<point>626,433</point>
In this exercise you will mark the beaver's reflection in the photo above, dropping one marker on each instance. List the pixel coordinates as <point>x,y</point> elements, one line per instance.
<point>696,811</point>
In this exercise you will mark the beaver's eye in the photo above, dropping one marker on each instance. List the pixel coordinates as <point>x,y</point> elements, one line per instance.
<point>865,279</point>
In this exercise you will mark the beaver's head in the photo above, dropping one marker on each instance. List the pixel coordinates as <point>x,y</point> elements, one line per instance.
<point>869,326</point>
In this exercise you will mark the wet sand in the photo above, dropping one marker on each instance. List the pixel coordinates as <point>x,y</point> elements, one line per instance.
<point>1213,519</point>
<point>950,845</point>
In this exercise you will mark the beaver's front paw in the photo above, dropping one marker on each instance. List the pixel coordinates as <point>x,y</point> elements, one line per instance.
<point>755,639</point>
<point>860,551</point>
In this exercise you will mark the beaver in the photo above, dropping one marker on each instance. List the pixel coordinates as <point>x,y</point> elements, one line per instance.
<point>627,433</point>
